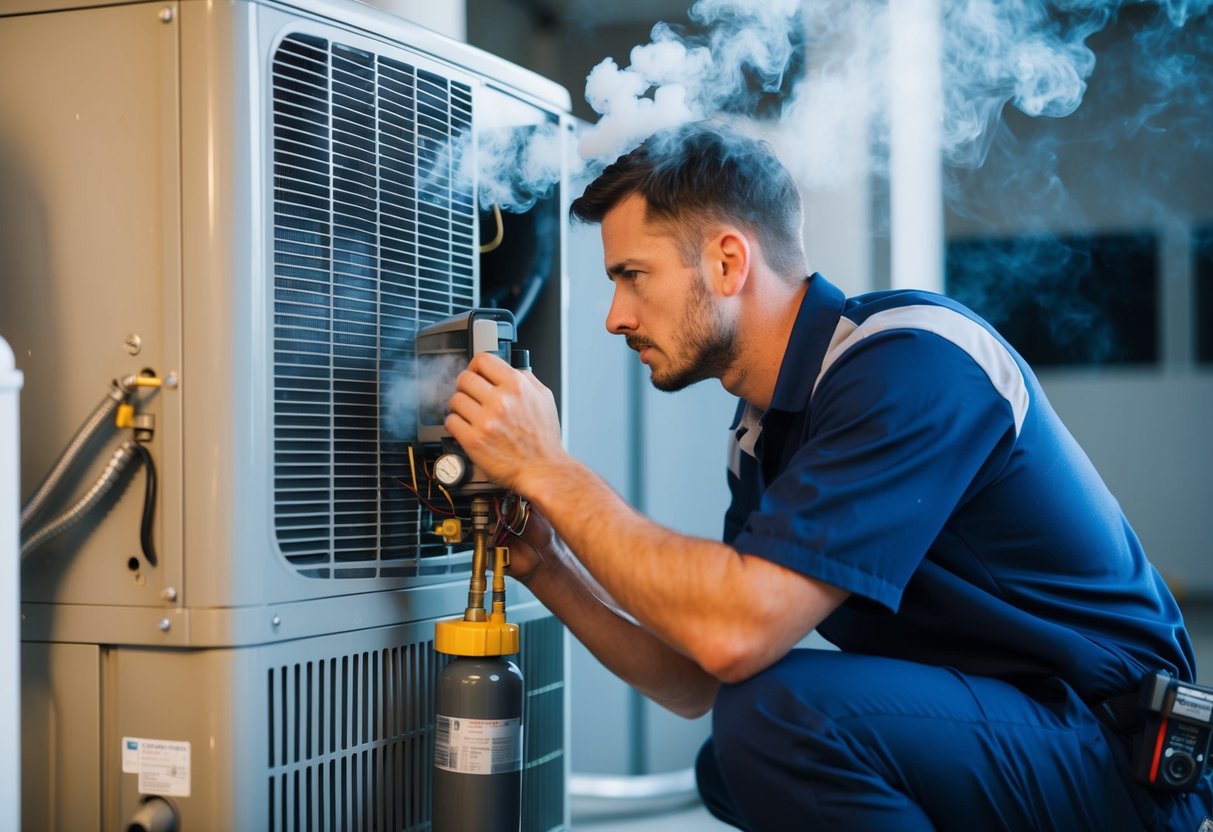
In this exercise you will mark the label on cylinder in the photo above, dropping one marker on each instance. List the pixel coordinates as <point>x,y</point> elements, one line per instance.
<point>477,746</point>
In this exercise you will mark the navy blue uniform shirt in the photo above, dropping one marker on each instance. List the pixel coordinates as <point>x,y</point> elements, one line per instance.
<point>910,456</point>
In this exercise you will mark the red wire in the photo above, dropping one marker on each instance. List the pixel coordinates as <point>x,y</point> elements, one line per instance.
<point>423,500</point>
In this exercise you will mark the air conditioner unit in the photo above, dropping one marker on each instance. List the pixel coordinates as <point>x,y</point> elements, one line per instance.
<point>263,201</point>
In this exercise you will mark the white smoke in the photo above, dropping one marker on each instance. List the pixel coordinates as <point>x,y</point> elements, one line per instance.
<point>517,166</point>
<point>829,63</point>
<point>415,391</point>
<point>1028,54</point>
<point>674,80</point>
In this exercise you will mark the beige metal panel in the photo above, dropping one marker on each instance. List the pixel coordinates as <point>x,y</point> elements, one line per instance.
<point>204,698</point>
<point>38,6</point>
<point>227,192</point>
<point>254,718</point>
<point>89,251</point>
<point>181,106</point>
<point>220,210</point>
<point>265,723</point>
<point>241,626</point>
<point>60,737</point>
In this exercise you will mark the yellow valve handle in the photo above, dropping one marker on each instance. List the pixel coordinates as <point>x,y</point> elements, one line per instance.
<point>450,530</point>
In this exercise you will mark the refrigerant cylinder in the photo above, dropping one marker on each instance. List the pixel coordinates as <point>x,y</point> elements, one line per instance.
<point>478,746</point>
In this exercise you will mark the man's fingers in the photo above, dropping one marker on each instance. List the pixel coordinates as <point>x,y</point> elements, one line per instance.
<point>455,425</point>
<point>492,367</point>
<point>463,405</point>
<point>472,385</point>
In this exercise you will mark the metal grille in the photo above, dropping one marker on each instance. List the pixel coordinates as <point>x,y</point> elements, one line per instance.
<point>373,238</point>
<point>543,673</point>
<point>351,737</point>
<point>351,741</point>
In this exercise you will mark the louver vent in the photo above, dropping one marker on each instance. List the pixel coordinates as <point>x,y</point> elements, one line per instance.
<point>351,741</point>
<point>351,737</point>
<point>373,238</point>
<point>543,672</point>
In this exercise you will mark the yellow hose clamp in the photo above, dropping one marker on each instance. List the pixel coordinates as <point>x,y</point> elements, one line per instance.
<point>125,417</point>
<point>495,637</point>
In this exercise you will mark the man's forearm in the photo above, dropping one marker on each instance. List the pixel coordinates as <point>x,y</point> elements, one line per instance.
<point>731,614</point>
<point>669,678</point>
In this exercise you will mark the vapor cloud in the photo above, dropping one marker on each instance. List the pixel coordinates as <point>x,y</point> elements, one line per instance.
<point>1027,54</point>
<point>418,391</point>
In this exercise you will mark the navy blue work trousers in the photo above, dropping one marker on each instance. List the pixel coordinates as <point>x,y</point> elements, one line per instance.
<point>824,740</point>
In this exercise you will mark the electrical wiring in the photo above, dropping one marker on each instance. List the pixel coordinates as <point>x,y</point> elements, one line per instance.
<point>412,466</point>
<point>442,511</point>
<point>415,489</point>
<point>520,513</point>
<point>149,504</point>
<point>539,555</point>
<point>449,499</point>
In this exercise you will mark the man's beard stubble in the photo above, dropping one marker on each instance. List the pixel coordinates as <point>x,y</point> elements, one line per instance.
<point>709,344</point>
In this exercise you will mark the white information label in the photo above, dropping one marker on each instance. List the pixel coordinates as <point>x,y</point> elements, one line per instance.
<point>1193,704</point>
<point>477,746</point>
<point>163,766</point>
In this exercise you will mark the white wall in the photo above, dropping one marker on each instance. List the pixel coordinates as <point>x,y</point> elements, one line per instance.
<point>599,423</point>
<point>665,454</point>
<point>10,675</point>
<point>1148,435</point>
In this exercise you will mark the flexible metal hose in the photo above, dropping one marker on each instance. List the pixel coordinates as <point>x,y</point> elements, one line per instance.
<point>117,464</point>
<point>100,415</point>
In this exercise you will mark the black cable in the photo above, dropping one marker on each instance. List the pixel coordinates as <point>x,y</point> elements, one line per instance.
<point>149,504</point>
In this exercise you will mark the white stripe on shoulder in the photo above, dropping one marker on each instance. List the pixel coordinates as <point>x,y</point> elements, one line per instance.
<point>970,336</point>
<point>744,437</point>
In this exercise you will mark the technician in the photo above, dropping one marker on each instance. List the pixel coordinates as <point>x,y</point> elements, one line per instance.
<point>899,483</point>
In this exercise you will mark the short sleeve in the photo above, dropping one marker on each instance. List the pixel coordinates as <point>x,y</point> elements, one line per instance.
<point>900,430</point>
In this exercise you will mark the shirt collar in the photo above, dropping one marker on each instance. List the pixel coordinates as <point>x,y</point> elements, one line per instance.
<point>816,321</point>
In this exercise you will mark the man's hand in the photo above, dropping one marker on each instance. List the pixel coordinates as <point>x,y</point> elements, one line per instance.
<point>531,550</point>
<point>505,421</point>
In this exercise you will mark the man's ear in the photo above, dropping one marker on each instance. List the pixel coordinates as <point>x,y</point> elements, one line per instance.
<point>731,261</point>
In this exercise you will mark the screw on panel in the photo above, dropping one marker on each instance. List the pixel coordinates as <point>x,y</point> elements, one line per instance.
<point>164,625</point>
<point>133,344</point>
<point>275,621</point>
<point>166,15</point>
<point>169,593</point>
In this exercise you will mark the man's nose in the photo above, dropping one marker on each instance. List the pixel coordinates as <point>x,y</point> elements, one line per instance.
<point>620,319</point>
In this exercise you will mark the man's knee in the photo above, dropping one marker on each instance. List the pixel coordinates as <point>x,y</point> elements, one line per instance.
<point>752,713</point>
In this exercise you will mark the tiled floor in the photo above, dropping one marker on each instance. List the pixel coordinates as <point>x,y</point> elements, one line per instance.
<point>1199,618</point>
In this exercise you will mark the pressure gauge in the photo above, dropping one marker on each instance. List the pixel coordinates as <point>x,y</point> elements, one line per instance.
<point>450,469</point>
